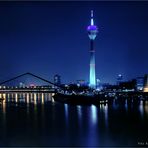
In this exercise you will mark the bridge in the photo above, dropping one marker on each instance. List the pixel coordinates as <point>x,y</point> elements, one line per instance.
<point>51,87</point>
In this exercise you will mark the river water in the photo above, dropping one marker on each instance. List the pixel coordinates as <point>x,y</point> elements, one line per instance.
<point>34,119</point>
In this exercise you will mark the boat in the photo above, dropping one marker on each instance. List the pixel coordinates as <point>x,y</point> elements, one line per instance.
<point>80,99</point>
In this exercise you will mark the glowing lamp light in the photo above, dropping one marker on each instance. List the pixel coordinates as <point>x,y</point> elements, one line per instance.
<point>146,89</point>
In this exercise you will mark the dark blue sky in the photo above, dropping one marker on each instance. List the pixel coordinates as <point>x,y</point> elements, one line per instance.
<point>48,38</point>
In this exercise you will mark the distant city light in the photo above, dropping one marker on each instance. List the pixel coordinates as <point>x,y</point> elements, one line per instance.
<point>145,89</point>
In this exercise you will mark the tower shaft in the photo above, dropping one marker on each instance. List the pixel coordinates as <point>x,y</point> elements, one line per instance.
<point>92,74</point>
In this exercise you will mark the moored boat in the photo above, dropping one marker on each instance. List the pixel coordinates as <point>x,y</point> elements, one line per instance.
<point>80,99</point>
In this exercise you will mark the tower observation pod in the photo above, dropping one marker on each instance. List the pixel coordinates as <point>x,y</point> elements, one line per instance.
<point>92,33</point>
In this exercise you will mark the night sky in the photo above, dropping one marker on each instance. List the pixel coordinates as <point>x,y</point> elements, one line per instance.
<point>48,38</point>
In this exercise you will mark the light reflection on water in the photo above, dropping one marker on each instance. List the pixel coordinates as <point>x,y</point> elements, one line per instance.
<point>28,100</point>
<point>42,98</point>
<point>93,114</point>
<point>126,105</point>
<point>79,110</point>
<point>85,125</point>
<point>66,112</point>
<point>16,97</point>
<point>141,108</point>
<point>34,98</point>
<point>79,113</point>
<point>106,114</point>
<point>93,136</point>
<point>146,107</point>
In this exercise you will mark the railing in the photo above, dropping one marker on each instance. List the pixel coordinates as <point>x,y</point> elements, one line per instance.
<point>30,89</point>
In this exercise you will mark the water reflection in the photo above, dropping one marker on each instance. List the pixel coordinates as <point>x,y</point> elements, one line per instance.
<point>52,100</point>
<point>146,107</point>
<point>51,96</point>
<point>94,114</point>
<point>66,113</point>
<point>16,97</point>
<point>106,114</point>
<point>141,108</point>
<point>115,104</point>
<point>66,110</point>
<point>38,123</point>
<point>34,98</point>
<point>31,97</point>
<point>104,110</point>
<point>79,113</point>
<point>79,110</point>
<point>8,97</point>
<point>42,98</point>
<point>4,105</point>
<point>24,95</point>
<point>28,100</point>
<point>126,105</point>
<point>93,137</point>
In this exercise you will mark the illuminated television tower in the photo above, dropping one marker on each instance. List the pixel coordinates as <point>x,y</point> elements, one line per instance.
<point>92,33</point>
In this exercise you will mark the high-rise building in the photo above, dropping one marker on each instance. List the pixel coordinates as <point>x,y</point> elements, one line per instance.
<point>140,83</point>
<point>57,79</point>
<point>92,33</point>
<point>119,79</point>
<point>145,89</point>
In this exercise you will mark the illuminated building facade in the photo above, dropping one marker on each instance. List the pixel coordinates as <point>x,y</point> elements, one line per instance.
<point>92,33</point>
<point>57,79</point>
<point>140,83</point>
<point>145,83</point>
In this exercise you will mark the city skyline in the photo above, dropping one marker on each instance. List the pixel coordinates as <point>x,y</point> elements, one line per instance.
<point>48,38</point>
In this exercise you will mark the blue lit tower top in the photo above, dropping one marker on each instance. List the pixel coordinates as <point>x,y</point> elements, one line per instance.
<point>92,29</point>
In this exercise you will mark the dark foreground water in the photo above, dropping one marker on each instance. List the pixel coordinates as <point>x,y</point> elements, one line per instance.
<point>36,120</point>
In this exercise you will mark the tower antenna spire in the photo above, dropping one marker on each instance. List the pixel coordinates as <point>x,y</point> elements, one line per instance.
<point>92,20</point>
<point>91,13</point>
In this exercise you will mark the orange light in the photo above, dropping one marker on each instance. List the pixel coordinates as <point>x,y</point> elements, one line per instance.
<point>145,89</point>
